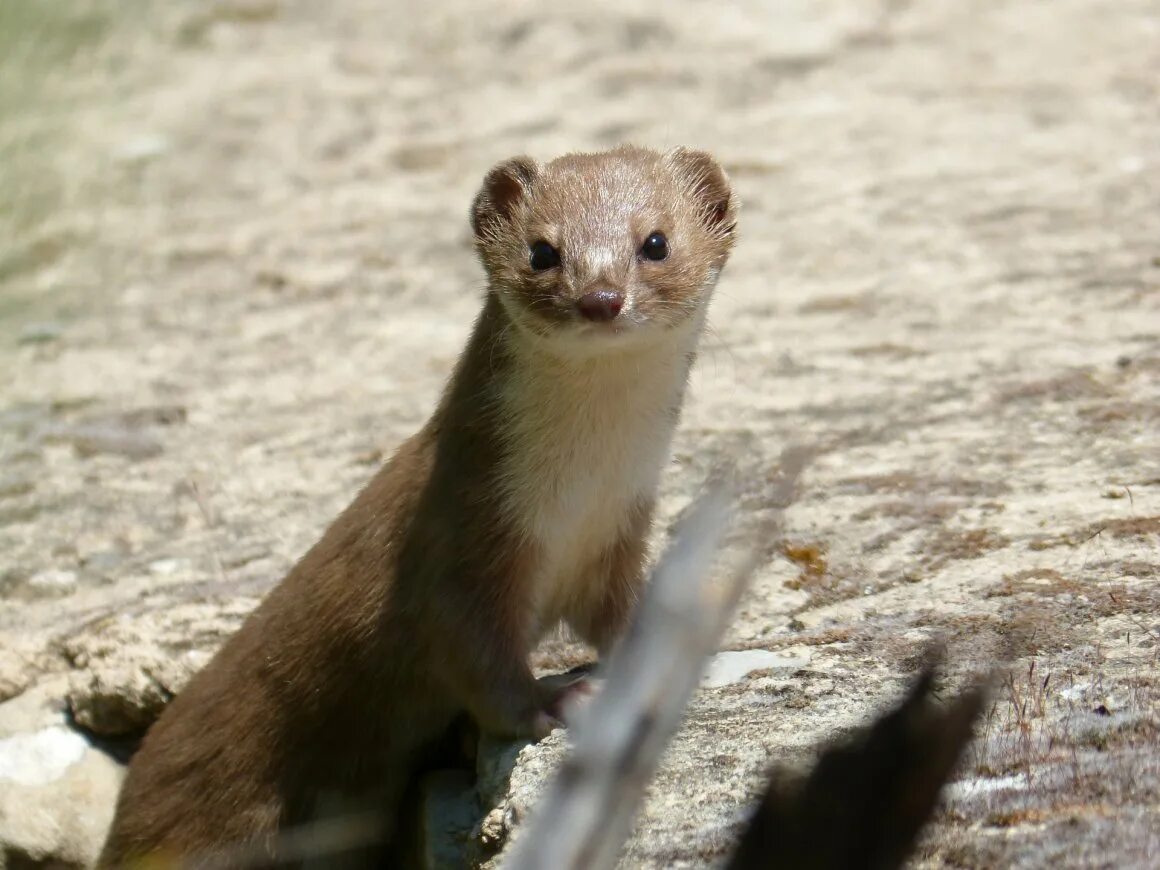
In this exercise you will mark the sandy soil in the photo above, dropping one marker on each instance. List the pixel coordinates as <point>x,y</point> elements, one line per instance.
<point>254,271</point>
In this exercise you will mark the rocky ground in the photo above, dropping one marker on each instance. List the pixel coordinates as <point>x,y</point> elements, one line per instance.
<point>235,269</point>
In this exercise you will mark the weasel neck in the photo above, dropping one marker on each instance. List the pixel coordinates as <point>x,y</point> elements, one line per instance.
<point>585,441</point>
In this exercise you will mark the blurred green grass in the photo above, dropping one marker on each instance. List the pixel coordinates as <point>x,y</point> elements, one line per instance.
<point>47,49</point>
<point>39,43</point>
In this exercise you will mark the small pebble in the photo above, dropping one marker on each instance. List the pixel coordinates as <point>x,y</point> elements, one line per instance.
<point>90,440</point>
<point>142,148</point>
<point>12,485</point>
<point>40,333</point>
<point>53,580</point>
<point>103,561</point>
<point>167,567</point>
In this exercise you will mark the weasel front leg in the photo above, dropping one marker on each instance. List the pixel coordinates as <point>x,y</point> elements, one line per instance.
<point>601,614</point>
<point>478,647</point>
<point>483,662</point>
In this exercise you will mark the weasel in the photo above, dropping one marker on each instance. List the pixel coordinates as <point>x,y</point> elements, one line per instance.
<point>524,501</point>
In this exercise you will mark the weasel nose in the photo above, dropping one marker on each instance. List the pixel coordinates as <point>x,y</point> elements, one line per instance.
<point>600,305</point>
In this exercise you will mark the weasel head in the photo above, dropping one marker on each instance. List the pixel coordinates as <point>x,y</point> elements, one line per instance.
<point>613,247</point>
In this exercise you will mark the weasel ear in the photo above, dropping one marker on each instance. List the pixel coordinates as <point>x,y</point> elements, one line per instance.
<point>709,187</point>
<point>504,187</point>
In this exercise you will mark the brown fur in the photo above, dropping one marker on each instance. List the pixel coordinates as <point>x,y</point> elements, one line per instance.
<point>425,597</point>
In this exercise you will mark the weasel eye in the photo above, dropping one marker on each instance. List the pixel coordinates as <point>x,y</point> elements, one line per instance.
<point>543,256</point>
<point>655,247</point>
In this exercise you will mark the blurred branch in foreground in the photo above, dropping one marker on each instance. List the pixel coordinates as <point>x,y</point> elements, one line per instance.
<point>587,812</point>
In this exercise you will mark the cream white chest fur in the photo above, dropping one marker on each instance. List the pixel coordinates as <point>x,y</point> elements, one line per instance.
<point>588,439</point>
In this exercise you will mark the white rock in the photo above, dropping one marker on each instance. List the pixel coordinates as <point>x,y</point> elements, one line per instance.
<point>40,757</point>
<point>57,792</point>
<point>60,817</point>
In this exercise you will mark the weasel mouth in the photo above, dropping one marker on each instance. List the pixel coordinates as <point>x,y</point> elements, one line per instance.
<point>612,330</point>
